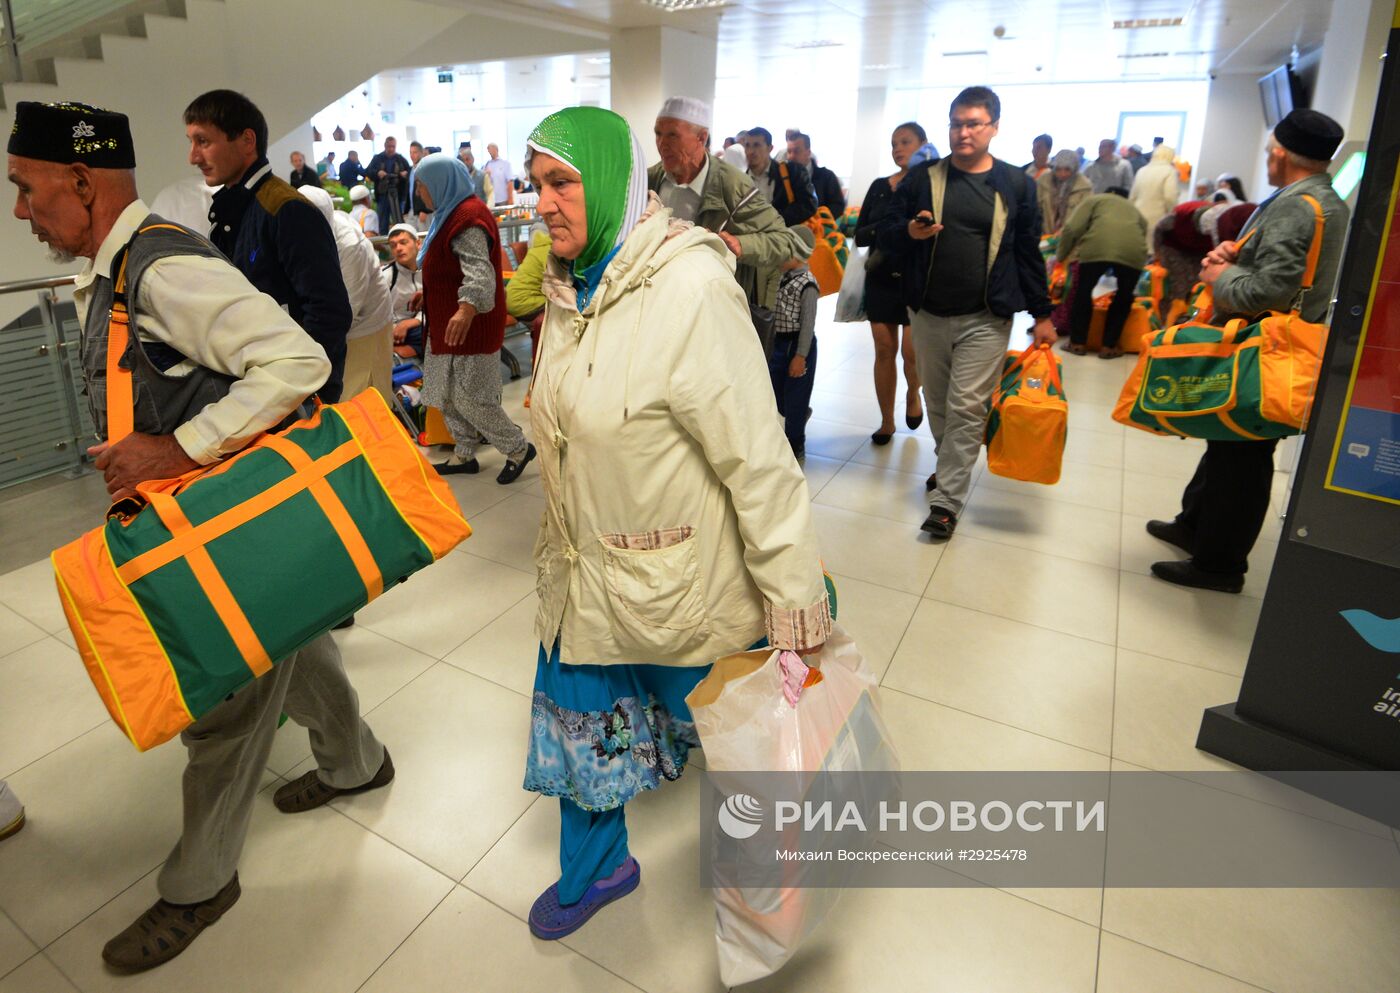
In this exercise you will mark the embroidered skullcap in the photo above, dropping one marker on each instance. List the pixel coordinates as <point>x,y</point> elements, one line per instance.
<point>72,132</point>
<point>688,109</point>
<point>359,192</point>
<point>405,228</point>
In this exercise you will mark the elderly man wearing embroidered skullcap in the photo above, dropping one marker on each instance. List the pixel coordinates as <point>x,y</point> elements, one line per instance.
<point>699,187</point>
<point>215,363</point>
<point>1223,507</point>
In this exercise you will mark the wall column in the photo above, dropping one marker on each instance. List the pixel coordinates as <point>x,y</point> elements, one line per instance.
<point>872,141</point>
<point>651,64</point>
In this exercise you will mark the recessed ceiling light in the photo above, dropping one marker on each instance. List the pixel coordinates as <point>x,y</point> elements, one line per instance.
<point>1144,55</point>
<point>1148,22</point>
<point>883,65</point>
<point>676,6</point>
<point>958,55</point>
<point>819,43</point>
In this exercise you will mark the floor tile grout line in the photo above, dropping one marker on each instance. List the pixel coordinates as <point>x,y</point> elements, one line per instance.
<point>412,931</point>
<point>1179,958</point>
<point>57,748</point>
<point>562,941</point>
<point>992,720</point>
<point>499,838</point>
<point>23,962</point>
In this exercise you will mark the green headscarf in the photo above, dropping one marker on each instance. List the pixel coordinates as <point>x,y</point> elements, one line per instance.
<point>607,155</point>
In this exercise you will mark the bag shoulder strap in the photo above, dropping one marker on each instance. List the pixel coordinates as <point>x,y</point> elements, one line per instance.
<point>787,182</point>
<point>1315,249</point>
<point>121,400</point>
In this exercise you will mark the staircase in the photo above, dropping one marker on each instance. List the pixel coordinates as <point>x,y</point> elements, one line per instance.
<point>149,58</point>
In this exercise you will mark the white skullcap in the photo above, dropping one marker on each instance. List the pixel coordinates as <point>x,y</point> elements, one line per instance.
<point>689,109</point>
<point>406,228</point>
<point>359,192</point>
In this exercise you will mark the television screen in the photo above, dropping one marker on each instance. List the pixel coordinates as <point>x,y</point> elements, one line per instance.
<point>1278,91</point>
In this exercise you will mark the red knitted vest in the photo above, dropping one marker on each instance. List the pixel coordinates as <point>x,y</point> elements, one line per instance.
<point>442,280</point>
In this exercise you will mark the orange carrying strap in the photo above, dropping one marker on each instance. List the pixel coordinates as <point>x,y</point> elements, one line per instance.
<point>121,402</point>
<point>787,182</point>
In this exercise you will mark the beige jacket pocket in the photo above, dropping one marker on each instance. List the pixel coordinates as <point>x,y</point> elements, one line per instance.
<point>654,589</point>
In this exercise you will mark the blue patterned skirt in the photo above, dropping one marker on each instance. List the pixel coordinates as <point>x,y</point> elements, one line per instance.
<point>600,734</point>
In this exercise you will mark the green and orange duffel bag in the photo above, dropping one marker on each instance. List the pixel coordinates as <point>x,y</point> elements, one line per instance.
<point>1247,380</point>
<point>206,581</point>
<point>202,583</point>
<point>1029,418</point>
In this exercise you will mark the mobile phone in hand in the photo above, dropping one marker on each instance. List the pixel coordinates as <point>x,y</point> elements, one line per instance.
<point>924,221</point>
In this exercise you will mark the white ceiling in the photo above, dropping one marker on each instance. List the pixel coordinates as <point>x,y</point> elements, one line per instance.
<point>915,42</point>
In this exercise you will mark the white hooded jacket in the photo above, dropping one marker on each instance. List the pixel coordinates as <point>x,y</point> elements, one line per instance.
<point>1156,189</point>
<point>678,525</point>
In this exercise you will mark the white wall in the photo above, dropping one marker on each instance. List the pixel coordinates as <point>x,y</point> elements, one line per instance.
<point>1348,77</point>
<point>1235,133</point>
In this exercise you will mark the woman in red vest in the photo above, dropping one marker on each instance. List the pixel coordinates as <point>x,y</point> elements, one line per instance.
<point>464,305</point>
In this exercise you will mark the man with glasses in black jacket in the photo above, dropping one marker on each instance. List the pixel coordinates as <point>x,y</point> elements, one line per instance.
<point>969,228</point>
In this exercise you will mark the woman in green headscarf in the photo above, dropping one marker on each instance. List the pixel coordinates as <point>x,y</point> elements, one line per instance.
<point>677,526</point>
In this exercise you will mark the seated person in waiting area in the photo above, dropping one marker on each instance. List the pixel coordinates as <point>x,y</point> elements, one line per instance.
<point>677,526</point>
<point>524,297</point>
<point>404,281</point>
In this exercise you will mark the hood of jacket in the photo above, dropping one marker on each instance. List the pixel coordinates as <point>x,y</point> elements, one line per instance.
<point>656,240</point>
<point>1164,153</point>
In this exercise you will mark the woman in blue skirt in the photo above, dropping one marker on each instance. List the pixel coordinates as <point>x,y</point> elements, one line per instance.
<point>677,526</point>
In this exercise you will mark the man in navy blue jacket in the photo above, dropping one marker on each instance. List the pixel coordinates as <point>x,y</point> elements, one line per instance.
<point>274,236</point>
<point>969,229</point>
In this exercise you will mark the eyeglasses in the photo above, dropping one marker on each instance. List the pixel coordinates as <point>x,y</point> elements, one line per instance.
<point>972,127</point>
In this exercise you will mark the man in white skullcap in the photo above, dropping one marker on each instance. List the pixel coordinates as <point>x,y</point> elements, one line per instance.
<point>683,140</point>
<point>715,195</point>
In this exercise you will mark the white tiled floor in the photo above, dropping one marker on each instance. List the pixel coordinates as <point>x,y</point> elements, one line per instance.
<point>1035,639</point>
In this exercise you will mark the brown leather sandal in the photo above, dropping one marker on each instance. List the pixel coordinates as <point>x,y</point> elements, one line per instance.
<point>166,930</point>
<point>1111,353</point>
<point>308,792</point>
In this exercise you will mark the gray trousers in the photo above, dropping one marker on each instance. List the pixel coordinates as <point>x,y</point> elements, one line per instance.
<point>467,389</point>
<point>228,750</point>
<point>959,361</point>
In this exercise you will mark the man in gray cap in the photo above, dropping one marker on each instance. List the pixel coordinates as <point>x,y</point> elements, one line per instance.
<point>699,187</point>
<point>1224,505</point>
<point>214,367</point>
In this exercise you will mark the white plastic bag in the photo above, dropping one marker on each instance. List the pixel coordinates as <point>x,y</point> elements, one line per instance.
<point>850,302</point>
<point>746,724</point>
<point>1105,287</point>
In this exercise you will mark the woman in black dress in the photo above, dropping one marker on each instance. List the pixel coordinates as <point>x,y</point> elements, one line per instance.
<point>884,296</point>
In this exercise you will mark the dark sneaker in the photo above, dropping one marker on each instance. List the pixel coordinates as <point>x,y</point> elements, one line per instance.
<point>349,622</point>
<point>940,523</point>
<point>931,483</point>
<point>166,930</point>
<point>308,792</point>
<point>454,465</point>
<point>1186,574</point>
<point>1173,533</point>
<point>512,470</point>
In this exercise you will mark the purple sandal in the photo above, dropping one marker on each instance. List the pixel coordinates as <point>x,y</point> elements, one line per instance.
<point>551,921</point>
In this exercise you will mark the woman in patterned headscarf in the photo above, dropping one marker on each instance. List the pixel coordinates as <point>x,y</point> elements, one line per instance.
<point>677,526</point>
<point>1060,189</point>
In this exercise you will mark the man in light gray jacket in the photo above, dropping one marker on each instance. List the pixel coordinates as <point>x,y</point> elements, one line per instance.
<point>1224,505</point>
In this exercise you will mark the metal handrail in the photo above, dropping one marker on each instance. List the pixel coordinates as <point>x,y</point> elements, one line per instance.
<point>38,283</point>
